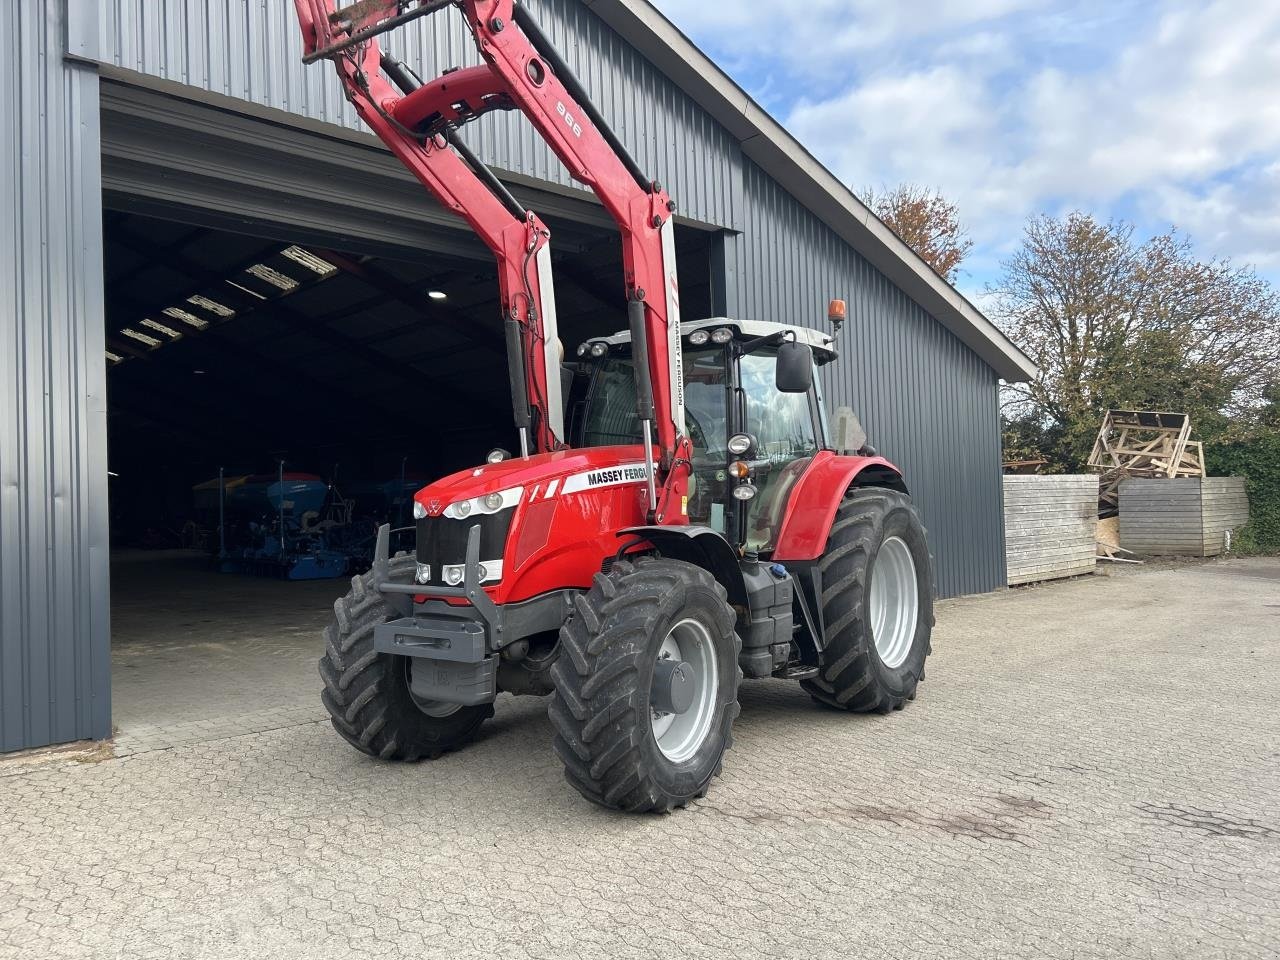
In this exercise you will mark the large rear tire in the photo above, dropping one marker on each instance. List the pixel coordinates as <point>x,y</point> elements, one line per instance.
<point>367,693</point>
<point>877,604</point>
<point>637,625</point>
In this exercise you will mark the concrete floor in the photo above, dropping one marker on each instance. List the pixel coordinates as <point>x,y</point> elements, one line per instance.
<point>195,652</point>
<point>1092,770</point>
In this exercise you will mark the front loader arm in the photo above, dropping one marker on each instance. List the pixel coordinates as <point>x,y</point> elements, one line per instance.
<point>518,239</point>
<point>523,71</point>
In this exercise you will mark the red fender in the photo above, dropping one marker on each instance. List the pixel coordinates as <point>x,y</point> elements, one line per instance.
<point>816,497</point>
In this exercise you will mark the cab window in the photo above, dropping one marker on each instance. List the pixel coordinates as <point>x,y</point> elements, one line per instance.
<point>786,439</point>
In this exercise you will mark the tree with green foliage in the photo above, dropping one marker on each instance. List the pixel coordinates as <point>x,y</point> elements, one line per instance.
<point>1113,323</point>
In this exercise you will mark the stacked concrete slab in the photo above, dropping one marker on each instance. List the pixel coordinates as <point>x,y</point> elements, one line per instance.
<point>1182,516</point>
<point>1050,526</point>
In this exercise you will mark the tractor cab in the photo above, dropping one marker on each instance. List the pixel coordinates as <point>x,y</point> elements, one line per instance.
<point>753,413</point>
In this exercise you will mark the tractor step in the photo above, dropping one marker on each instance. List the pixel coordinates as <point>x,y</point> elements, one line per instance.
<point>797,671</point>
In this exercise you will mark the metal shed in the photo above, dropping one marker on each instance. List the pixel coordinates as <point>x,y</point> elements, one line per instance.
<point>202,113</point>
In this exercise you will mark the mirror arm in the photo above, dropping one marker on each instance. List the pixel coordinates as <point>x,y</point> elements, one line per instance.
<point>768,340</point>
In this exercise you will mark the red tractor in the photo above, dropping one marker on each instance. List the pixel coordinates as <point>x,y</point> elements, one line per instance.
<point>677,517</point>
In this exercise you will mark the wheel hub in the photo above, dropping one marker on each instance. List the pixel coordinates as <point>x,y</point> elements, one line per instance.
<point>682,697</point>
<point>673,686</point>
<point>894,602</point>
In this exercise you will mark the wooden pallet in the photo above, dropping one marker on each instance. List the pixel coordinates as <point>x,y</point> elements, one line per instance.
<point>1142,443</point>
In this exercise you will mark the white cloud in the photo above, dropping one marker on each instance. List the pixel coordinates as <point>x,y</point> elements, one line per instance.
<point>1168,112</point>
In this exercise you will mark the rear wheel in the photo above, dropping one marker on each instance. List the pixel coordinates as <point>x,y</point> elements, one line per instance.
<point>877,604</point>
<point>646,686</point>
<point>368,694</point>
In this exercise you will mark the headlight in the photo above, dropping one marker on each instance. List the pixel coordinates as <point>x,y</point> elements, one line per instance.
<point>582,349</point>
<point>453,575</point>
<point>740,443</point>
<point>423,573</point>
<point>419,511</point>
<point>699,337</point>
<point>497,455</point>
<point>721,335</point>
<point>744,491</point>
<point>486,504</point>
<point>599,349</point>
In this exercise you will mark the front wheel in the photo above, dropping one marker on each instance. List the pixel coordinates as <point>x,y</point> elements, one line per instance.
<point>646,685</point>
<point>877,604</point>
<point>368,694</point>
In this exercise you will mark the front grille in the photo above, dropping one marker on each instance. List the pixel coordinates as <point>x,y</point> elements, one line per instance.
<point>442,540</point>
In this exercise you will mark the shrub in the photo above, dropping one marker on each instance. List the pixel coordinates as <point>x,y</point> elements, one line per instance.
<point>1258,461</point>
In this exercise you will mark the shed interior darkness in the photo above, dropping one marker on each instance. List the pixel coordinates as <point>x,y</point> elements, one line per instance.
<point>234,351</point>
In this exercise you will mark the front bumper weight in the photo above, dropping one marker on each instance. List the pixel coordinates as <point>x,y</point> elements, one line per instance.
<point>448,658</point>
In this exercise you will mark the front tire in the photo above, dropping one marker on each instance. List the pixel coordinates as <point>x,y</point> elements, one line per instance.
<point>619,747</point>
<point>367,693</point>
<point>877,604</point>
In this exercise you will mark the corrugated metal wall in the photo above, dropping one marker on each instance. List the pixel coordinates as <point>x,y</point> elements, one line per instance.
<point>55,679</point>
<point>928,403</point>
<point>251,50</point>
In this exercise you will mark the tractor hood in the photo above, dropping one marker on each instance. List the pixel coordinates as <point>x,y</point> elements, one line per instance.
<point>582,466</point>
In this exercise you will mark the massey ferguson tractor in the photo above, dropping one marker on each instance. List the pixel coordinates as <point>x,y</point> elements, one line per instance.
<point>677,517</point>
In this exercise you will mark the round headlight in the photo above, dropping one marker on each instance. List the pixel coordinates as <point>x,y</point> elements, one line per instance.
<point>492,502</point>
<point>419,511</point>
<point>744,491</point>
<point>423,573</point>
<point>453,576</point>
<point>462,508</point>
<point>599,349</point>
<point>496,455</point>
<point>582,349</point>
<point>739,444</point>
<point>721,335</point>
<point>481,573</point>
<point>699,337</point>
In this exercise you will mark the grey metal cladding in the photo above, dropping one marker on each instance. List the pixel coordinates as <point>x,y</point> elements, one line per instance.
<point>927,401</point>
<point>55,677</point>
<point>251,50</point>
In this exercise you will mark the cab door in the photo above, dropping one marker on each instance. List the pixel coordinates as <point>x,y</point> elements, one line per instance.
<point>787,437</point>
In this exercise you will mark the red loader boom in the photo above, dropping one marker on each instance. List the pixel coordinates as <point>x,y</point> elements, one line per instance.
<point>522,71</point>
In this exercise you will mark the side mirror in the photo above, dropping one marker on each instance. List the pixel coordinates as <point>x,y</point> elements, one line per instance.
<point>794,373</point>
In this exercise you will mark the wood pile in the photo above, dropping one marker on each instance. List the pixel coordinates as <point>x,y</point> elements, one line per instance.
<point>1142,443</point>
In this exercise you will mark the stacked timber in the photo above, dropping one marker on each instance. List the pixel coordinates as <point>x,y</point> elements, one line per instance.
<point>1142,443</point>
<point>1187,516</point>
<point>1050,526</point>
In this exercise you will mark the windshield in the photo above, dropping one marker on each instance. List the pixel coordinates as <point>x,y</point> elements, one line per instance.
<point>611,413</point>
<point>611,418</point>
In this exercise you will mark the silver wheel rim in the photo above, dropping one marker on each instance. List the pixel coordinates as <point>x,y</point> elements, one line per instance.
<point>436,709</point>
<point>894,602</point>
<point>679,736</point>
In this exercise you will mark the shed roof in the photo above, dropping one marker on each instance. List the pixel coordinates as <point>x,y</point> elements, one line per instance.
<point>767,144</point>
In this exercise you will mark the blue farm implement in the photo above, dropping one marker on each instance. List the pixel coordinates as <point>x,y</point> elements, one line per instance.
<point>287,525</point>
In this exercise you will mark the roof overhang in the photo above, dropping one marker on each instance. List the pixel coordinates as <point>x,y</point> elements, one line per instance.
<point>767,144</point>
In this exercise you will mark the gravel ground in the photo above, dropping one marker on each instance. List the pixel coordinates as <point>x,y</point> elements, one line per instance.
<point>1092,770</point>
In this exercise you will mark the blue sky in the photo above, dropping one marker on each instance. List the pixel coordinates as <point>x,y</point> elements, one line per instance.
<point>1161,113</point>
